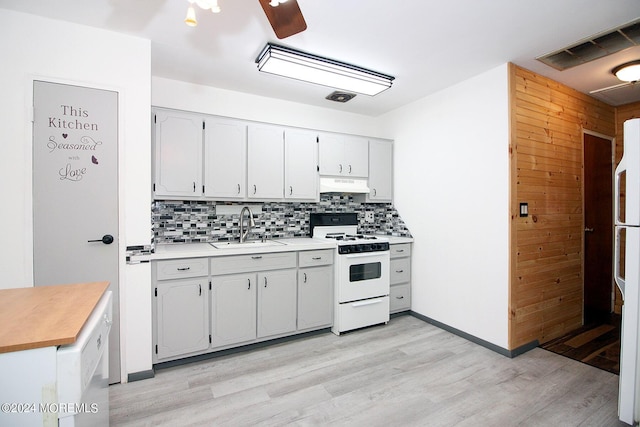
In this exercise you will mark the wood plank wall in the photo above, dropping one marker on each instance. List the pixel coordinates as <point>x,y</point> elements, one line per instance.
<point>547,121</point>
<point>623,113</point>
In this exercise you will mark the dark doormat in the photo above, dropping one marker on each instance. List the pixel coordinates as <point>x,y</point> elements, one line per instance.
<point>596,344</point>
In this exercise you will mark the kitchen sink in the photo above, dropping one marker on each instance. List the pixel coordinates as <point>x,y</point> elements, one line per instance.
<point>248,244</point>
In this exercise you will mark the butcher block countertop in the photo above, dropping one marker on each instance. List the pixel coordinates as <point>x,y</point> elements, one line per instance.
<point>46,316</point>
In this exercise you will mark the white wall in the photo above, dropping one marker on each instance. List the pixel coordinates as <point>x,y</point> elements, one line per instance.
<point>33,47</point>
<point>209,100</point>
<point>452,189</point>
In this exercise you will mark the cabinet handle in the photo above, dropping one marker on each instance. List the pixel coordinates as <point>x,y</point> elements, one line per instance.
<point>199,290</point>
<point>249,280</point>
<point>194,187</point>
<point>349,169</point>
<point>400,297</point>
<point>316,258</point>
<point>255,189</point>
<point>399,250</point>
<point>399,271</point>
<point>257,257</point>
<point>374,192</point>
<point>290,190</point>
<point>340,168</point>
<point>265,282</point>
<point>184,268</point>
<point>238,188</point>
<point>305,277</point>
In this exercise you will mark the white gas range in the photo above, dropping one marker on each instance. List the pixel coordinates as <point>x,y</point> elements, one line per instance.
<point>361,283</point>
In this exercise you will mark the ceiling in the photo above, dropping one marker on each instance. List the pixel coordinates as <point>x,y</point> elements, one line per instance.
<point>427,45</point>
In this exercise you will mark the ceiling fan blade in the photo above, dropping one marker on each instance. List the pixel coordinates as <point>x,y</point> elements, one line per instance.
<point>286,19</point>
<point>605,89</point>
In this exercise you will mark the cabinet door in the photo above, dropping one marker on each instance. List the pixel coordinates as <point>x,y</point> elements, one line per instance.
<point>301,165</point>
<point>356,157</point>
<point>315,297</point>
<point>276,302</point>
<point>233,309</point>
<point>380,170</point>
<point>225,153</point>
<point>331,155</point>
<point>344,155</point>
<point>265,162</point>
<point>178,154</point>
<point>182,310</point>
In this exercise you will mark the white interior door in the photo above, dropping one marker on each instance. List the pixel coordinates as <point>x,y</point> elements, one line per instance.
<point>75,192</point>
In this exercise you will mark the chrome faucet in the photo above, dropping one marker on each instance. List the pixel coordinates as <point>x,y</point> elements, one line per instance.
<point>252,223</point>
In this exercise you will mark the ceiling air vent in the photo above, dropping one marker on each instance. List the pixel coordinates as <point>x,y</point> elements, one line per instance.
<point>595,47</point>
<point>340,96</point>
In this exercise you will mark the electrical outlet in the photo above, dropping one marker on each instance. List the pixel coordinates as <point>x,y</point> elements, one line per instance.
<point>368,217</point>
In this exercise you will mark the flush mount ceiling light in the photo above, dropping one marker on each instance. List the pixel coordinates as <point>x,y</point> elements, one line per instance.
<point>629,72</point>
<point>298,65</point>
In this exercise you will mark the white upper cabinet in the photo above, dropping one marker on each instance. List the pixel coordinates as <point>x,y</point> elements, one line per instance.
<point>301,165</point>
<point>380,170</point>
<point>225,159</point>
<point>203,157</point>
<point>177,154</point>
<point>265,162</point>
<point>344,155</point>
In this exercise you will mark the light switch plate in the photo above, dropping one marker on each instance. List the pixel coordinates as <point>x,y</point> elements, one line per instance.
<point>524,209</point>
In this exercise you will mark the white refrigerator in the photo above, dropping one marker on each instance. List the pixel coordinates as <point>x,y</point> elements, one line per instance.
<point>627,270</point>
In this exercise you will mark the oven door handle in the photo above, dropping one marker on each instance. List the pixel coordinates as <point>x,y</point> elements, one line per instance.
<point>367,302</point>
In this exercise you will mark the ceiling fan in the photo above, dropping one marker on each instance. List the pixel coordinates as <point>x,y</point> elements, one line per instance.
<point>284,16</point>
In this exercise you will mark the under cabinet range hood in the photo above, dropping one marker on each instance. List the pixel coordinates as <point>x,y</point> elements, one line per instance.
<point>343,185</point>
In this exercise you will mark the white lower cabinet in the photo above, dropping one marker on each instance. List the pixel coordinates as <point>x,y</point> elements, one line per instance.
<point>252,296</point>
<point>182,308</point>
<point>238,300</point>
<point>252,305</point>
<point>277,297</point>
<point>315,297</point>
<point>233,309</point>
<point>400,266</point>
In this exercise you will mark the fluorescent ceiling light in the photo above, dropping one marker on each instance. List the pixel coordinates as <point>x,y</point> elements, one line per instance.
<point>298,65</point>
<point>629,72</point>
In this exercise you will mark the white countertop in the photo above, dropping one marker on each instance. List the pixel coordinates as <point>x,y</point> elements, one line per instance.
<point>198,250</point>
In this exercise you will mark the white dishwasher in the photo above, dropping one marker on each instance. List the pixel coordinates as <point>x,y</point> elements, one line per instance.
<point>83,371</point>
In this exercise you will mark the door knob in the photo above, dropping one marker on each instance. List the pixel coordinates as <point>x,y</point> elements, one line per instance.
<point>107,239</point>
<point>588,230</point>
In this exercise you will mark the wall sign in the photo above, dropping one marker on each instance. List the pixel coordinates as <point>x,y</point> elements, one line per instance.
<point>75,139</point>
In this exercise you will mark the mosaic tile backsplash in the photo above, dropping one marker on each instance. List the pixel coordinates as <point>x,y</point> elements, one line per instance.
<point>197,221</point>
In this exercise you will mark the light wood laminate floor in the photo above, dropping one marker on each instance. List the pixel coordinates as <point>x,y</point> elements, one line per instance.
<point>406,373</point>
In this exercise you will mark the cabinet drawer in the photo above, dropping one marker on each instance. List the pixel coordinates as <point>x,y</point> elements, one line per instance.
<point>400,270</point>
<point>400,250</point>
<point>182,268</point>
<point>252,262</point>
<point>313,258</point>
<point>400,298</point>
